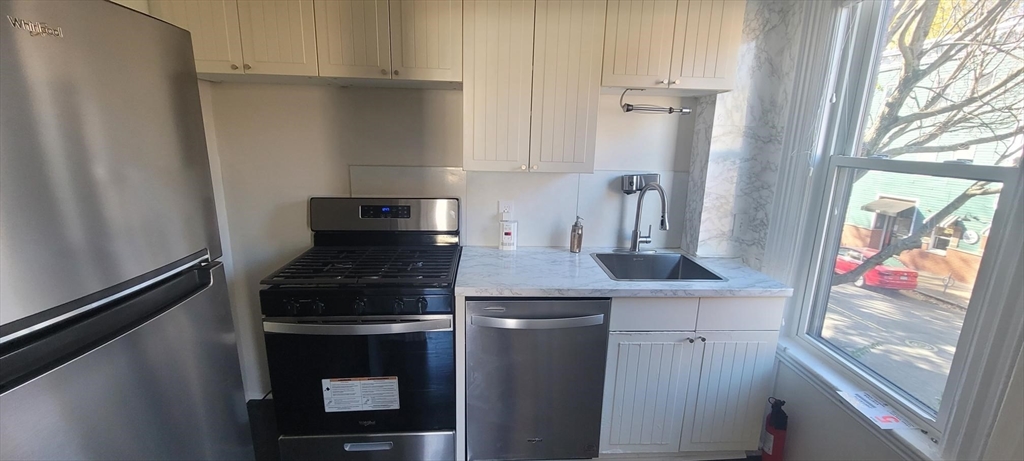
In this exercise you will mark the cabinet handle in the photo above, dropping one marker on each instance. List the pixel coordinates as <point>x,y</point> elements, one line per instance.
<point>690,340</point>
<point>522,167</point>
<point>534,167</point>
<point>246,66</point>
<point>383,71</point>
<point>663,82</point>
<point>677,82</point>
<point>234,67</point>
<point>396,71</point>
<point>702,339</point>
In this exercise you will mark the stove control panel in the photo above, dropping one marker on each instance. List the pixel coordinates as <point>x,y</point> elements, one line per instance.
<point>384,211</point>
<point>283,304</point>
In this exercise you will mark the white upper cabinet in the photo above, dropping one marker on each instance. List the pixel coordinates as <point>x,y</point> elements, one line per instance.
<point>638,43</point>
<point>426,39</point>
<point>216,39</point>
<point>353,38</point>
<point>684,44</point>
<point>566,85</point>
<point>735,379</point>
<point>496,88</point>
<point>707,41</point>
<point>531,86</point>
<point>278,37</point>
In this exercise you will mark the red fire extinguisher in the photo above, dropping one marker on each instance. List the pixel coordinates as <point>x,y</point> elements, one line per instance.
<point>773,440</point>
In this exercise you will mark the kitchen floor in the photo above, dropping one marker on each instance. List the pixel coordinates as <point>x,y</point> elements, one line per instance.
<point>264,431</point>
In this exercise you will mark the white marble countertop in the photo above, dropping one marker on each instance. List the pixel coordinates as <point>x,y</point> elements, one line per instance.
<point>540,271</point>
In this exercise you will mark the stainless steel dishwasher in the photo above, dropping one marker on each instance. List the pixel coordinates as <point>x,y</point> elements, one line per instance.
<point>535,377</point>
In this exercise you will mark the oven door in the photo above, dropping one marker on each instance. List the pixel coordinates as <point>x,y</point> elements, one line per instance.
<point>362,375</point>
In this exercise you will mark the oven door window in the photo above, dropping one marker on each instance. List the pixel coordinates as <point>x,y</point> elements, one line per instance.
<point>423,362</point>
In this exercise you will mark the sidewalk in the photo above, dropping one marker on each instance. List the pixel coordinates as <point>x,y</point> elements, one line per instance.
<point>957,293</point>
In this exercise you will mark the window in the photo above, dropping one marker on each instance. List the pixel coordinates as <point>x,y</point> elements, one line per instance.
<point>924,135</point>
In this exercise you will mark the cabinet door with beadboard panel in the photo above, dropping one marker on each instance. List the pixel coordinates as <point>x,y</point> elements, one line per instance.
<point>352,38</point>
<point>645,391</point>
<point>566,85</point>
<point>707,41</point>
<point>735,379</point>
<point>278,37</point>
<point>426,39</point>
<point>638,43</point>
<point>216,40</point>
<point>498,47</point>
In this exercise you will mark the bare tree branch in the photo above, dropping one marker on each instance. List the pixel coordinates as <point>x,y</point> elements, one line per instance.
<point>897,151</point>
<point>914,240</point>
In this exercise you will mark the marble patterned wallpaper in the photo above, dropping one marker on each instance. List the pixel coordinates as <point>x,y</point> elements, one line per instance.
<point>738,140</point>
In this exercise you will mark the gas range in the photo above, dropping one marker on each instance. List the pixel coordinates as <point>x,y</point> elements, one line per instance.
<point>364,280</point>
<point>359,331</point>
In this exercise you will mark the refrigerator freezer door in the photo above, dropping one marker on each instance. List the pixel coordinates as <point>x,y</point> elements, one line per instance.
<point>168,389</point>
<point>104,173</point>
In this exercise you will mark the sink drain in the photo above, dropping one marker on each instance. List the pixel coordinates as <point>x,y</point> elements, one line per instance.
<point>920,345</point>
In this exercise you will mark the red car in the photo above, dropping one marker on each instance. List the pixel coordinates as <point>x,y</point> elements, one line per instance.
<point>890,274</point>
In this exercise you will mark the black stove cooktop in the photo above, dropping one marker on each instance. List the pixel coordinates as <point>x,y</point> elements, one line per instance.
<point>426,266</point>
<point>371,256</point>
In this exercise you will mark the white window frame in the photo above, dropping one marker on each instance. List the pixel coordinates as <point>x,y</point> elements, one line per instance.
<point>991,337</point>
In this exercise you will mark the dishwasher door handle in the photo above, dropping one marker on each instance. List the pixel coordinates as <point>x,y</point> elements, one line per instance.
<point>536,324</point>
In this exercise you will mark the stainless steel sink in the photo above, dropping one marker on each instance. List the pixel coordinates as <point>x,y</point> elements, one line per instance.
<point>652,267</point>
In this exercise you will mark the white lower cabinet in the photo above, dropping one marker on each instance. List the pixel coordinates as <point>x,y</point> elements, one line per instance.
<point>646,380</point>
<point>666,394</point>
<point>735,379</point>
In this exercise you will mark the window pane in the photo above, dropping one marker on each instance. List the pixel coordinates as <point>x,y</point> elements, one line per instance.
<point>903,273</point>
<point>955,93</point>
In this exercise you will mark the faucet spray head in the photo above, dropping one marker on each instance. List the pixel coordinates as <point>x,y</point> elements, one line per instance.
<point>664,223</point>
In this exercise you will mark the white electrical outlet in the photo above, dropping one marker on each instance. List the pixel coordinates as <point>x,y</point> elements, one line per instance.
<point>507,206</point>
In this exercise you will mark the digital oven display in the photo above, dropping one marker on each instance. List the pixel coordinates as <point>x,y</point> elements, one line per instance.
<point>384,211</point>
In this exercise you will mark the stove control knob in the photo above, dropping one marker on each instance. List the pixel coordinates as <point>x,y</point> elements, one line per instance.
<point>422,304</point>
<point>291,306</point>
<point>318,306</point>
<point>399,304</point>
<point>359,305</point>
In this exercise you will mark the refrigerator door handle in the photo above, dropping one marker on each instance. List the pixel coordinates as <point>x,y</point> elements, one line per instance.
<point>536,324</point>
<point>197,262</point>
<point>23,361</point>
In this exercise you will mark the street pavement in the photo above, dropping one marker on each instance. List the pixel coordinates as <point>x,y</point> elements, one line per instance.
<point>907,338</point>
<point>938,287</point>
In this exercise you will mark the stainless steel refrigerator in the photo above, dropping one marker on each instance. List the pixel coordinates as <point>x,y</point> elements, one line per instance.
<point>116,338</point>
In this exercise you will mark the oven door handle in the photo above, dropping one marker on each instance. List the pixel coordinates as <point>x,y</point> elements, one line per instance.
<point>537,324</point>
<point>369,446</point>
<point>360,329</point>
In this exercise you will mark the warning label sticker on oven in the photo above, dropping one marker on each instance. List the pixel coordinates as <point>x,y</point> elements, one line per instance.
<point>360,394</point>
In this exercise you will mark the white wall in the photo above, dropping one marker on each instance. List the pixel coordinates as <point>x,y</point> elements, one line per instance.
<point>278,145</point>
<point>1007,442</point>
<point>137,5</point>
<point>818,429</point>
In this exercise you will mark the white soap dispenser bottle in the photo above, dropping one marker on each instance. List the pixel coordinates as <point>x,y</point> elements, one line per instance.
<point>509,232</point>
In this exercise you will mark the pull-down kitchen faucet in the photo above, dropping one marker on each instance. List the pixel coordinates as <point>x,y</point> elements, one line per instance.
<point>637,238</point>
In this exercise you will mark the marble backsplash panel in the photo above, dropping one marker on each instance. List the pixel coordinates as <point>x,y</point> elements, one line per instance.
<point>703,123</point>
<point>745,148</point>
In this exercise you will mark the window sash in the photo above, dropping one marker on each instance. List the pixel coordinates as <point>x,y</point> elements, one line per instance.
<point>828,236</point>
<point>856,72</point>
<point>825,104</point>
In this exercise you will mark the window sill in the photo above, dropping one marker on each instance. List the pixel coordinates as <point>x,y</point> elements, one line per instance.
<point>830,378</point>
